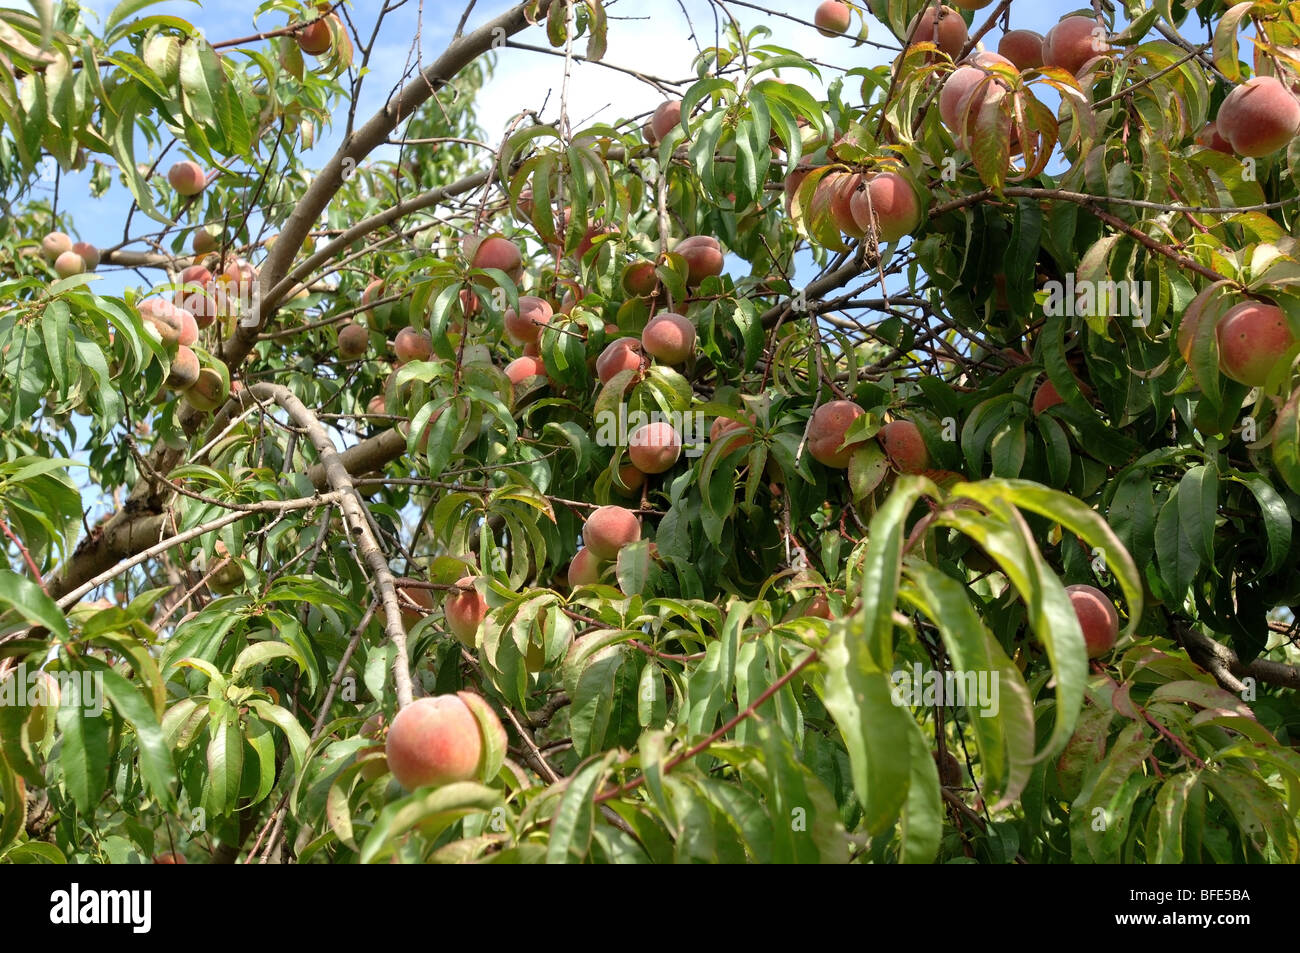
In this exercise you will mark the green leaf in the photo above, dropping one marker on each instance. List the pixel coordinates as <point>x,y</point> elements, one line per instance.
<point>83,755</point>
<point>572,825</point>
<point>1198,495</point>
<point>30,601</point>
<point>432,810</point>
<point>130,703</point>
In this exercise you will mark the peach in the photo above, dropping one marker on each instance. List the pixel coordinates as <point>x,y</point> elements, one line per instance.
<point>499,253</point>
<point>741,436</point>
<point>666,116</point>
<point>208,392</point>
<point>832,18</point>
<point>465,609</point>
<point>316,38</point>
<point>902,443</point>
<point>525,325</point>
<point>623,354</point>
<point>170,857</point>
<point>434,741</point>
<point>55,244</point>
<point>826,432</point>
<point>654,447</point>
<point>584,570</point>
<point>1252,337</point>
<point>184,370</point>
<point>412,345</point>
<point>669,337</point>
<point>818,607</point>
<point>960,89</point>
<point>793,180</point>
<point>889,204</point>
<point>204,242</point>
<point>89,254</point>
<point>532,350</point>
<point>1259,117</point>
<point>68,264</point>
<point>640,279</point>
<point>1046,396</point>
<point>703,256</point>
<point>1022,47</point>
<point>950,35</point>
<point>226,576</point>
<point>1072,43</point>
<point>1209,138</point>
<point>523,368</point>
<point>187,178</point>
<point>835,193</point>
<point>413,599</point>
<point>189,332</point>
<point>1097,618</point>
<point>373,291</point>
<point>354,341</point>
<point>608,529</point>
<point>629,480</point>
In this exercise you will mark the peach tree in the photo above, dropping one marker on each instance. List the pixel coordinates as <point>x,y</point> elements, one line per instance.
<point>890,455</point>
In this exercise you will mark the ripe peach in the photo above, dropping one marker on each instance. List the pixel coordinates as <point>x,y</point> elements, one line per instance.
<point>525,367</point>
<point>316,38</point>
<point>1259,117</point>
<point>1209,138</point>
<point>500,253</point>
<point>434,741</point>
<point>826,432</point>
<point>669,337</point>
<point>654,447</point>
<point>55,244</point>
<point>1022,47</point>
<point>666,116</point>
<point>629,480</point>
<point>412,599</point>
<point>204,242</point>
<point>835,192</point>
<point>189,332</point>
<point>373,291</point>
<point>354,341</point>
<point>832,18</point>
<point>608,529</point>
<point>413,345</point>
<point>465,610</point>
<point>1097,618</point>
<point>584,569</point>
<point>1046,396</point>
<point>951,35</point>
<point>623,354</point>
<point>818,606</point>
<point>961,89</point>
<point>89,254</point>
<point>525,325</point>
<point>184,370</point>
<point>187,178</point>
<point>170,857</point>
<point>1072,43</point>
<point>740,434</point>
<point>208,392</point>
<point>1252,337</point>
<point>793,180</point>
<point>640,279</point>
<point>902,443</point>
<point>703,256</point>
<point>889,204</point>
<point>68,264</point>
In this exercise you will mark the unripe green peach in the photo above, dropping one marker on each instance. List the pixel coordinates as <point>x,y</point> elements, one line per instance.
<point>208,391</point>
